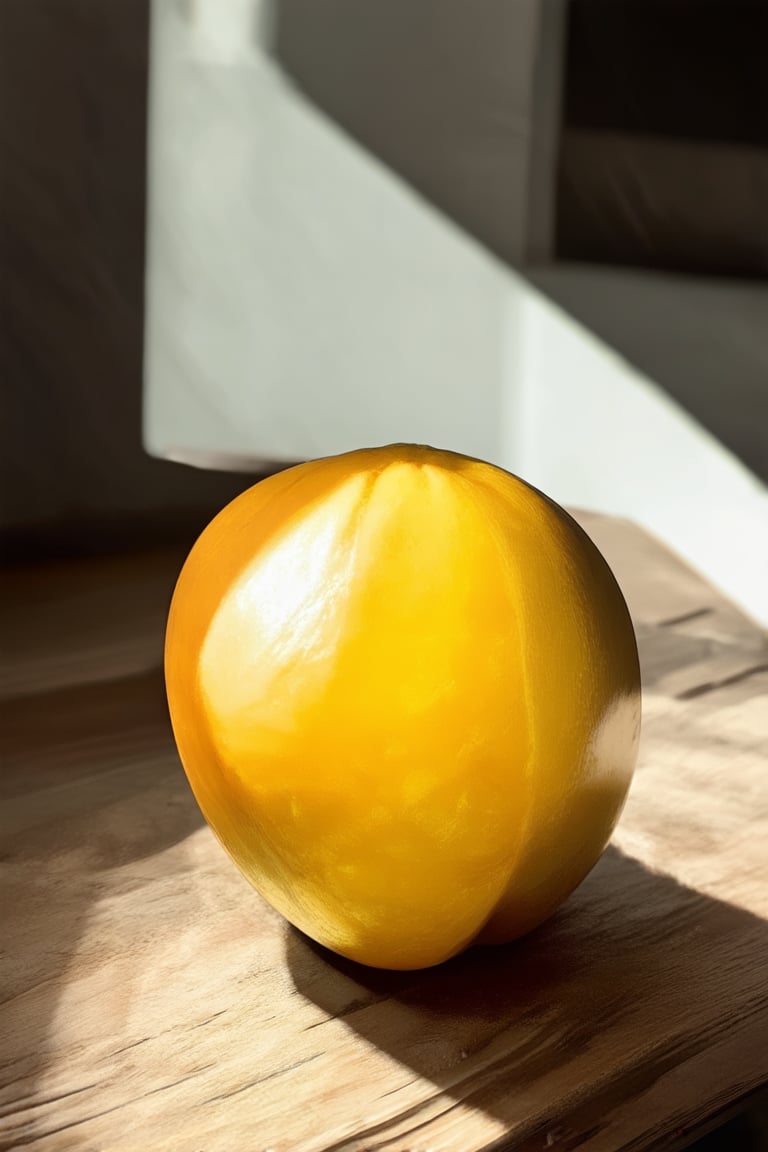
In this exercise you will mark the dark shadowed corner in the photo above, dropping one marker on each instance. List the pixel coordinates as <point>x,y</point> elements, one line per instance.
<point>497,1027</point>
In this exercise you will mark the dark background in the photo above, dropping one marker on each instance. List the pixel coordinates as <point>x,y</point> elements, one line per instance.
<point>662,163</point>
<point>73,104</point>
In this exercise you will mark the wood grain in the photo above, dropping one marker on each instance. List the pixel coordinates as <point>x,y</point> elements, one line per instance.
<point>150,1000</point>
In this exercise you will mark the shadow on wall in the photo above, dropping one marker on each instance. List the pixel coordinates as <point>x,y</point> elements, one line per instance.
<point>73,99</point>
<point>654,177</point>
<point>703,340</point>
<point>661,231</point>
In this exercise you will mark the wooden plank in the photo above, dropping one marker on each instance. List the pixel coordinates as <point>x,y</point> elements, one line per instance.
<point>151,1000</point>
<point>83,621</point>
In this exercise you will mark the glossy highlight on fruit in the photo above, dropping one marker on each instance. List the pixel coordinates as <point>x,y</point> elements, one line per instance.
<point>404,686</point>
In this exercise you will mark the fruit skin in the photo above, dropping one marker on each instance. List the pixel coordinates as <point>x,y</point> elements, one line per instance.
<point>404,686</point>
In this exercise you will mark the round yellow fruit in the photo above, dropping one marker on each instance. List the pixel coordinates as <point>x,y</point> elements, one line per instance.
<point>404,686</point>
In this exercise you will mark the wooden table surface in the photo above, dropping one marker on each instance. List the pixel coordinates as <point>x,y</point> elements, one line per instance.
<point>151,1001</point>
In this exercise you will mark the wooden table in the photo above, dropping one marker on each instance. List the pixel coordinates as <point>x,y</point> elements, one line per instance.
<point>151,1001</point>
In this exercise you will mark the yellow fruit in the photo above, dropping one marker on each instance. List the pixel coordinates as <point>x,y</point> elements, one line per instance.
<point>404,687</point>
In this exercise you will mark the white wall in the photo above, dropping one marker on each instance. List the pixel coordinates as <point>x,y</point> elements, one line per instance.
<point>301,300</point>
<point>596,434</point>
